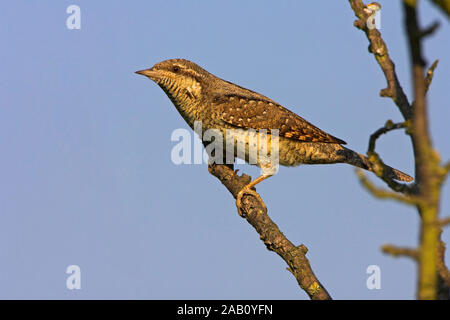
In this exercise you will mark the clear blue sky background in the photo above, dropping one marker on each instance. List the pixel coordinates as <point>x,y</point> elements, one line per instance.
<point>86,175</point>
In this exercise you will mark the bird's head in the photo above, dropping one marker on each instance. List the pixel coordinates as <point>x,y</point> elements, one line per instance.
<point>181,80</point>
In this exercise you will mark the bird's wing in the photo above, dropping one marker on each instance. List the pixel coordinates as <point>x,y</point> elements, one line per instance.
<point>257,114</point>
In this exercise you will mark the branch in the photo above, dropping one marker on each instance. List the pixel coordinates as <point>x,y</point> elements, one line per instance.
<point>444,222</point>
<point>430,30</point>
<point>255,213</point>
<point>444,5</point>
<point>386,194</point>
<point>430,74</point>
<point>400,252</point>
<point>379,49</point>
<point>442,268</point>
<point>389,126</point>
<point>414,254</point>
<point>426,161</point>
<point>380,169</point>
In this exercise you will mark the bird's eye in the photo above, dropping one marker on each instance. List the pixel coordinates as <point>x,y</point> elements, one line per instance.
<point>175,69</point>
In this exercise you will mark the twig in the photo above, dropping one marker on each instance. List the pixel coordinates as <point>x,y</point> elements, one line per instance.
<point>389,126</point>
<point>444,5</point>
<point>430,30</point>
<point>426,162</point>
<point>400,252</point>
<point>430,74</point>
<point>255,213</point>
<point>413,253</point>
<point>379,166</point>
<point>385,194</point>
<point>444,222</point>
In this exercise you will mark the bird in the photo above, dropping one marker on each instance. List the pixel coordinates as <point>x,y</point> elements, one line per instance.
<point>220,105</point>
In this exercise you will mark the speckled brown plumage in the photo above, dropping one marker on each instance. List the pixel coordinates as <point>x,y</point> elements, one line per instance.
<point>200,96</point>
<point>245,112</point>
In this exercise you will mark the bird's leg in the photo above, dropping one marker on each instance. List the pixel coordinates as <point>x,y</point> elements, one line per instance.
<point>248,189</point>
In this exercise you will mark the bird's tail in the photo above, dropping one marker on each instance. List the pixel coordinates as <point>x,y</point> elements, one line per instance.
<point>361,161</point>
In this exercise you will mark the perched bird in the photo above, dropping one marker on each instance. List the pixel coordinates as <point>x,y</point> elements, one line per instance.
<point>200,96</point>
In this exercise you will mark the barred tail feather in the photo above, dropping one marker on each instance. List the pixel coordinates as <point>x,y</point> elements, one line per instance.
<point>398,175</point>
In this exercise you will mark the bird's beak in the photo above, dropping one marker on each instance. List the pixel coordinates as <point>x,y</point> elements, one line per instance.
<point>152,74</point>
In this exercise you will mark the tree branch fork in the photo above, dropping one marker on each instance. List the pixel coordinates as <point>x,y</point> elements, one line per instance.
<point>424,192</point>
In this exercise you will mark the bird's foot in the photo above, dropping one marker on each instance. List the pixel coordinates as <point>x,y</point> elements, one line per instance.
<point>246,190</point>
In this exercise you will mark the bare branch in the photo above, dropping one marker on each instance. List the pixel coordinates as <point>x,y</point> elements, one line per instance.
<point>430,74</point>
<point>430,30</point>
<point>379,49</point>
<point>429,174</point>
<point>444,222</point>
<point>255,213</point>
<point>444,5</point>
<point>385,194</point>
<point>426,161</point>
<point>413,253</point>
<point>380,169</point>
<point>379,166</point>
<point>389,126</point>
<point>400,252</point>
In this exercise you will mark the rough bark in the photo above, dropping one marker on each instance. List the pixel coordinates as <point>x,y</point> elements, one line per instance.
<point>255,212</point>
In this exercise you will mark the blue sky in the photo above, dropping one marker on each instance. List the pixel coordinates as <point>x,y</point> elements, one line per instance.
<point>85,165</point>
